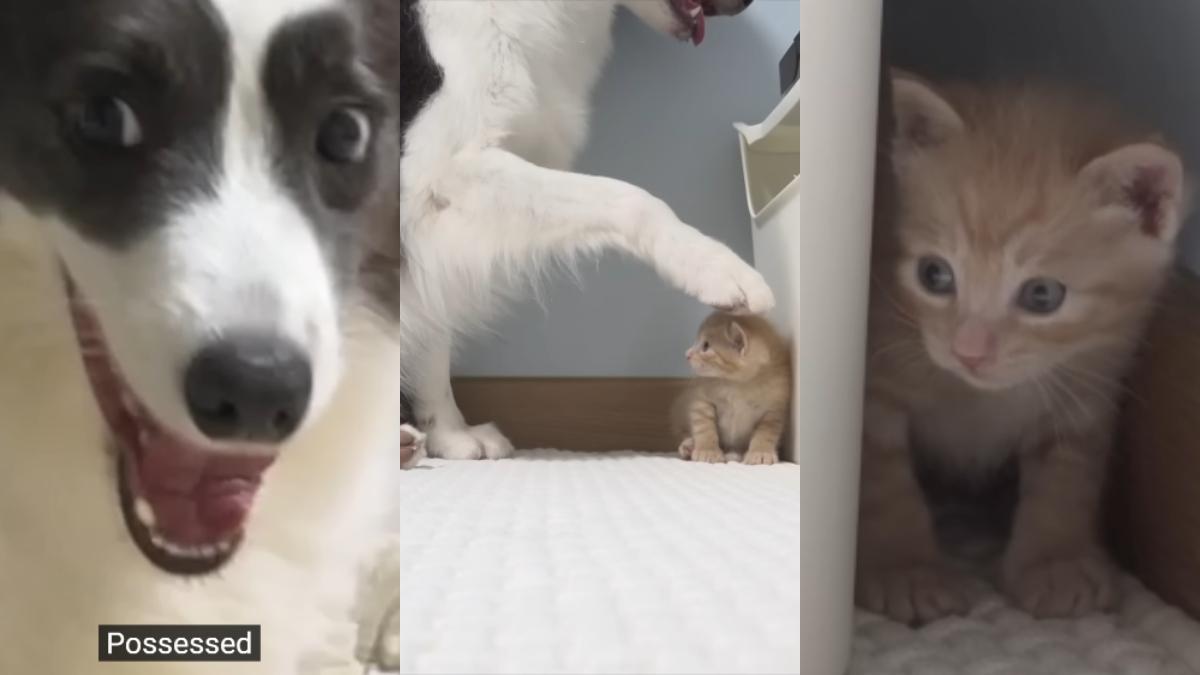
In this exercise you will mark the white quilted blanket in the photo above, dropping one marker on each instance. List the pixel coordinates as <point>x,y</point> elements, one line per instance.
<point>1144,637</point>
<point>560,562</point>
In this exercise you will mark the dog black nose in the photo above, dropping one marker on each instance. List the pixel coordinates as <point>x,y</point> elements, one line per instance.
<point>248,387</point>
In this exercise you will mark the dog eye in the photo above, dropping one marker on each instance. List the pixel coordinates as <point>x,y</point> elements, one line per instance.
<point>344,136</point>
<point>107,121</point>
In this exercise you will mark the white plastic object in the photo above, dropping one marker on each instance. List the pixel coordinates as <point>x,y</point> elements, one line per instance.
<point>809,171</point>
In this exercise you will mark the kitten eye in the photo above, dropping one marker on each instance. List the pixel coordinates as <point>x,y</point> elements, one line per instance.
<point>704,347</point>
<point>1041,296</point>
<point>936,275</point>
<point>107,121</point>
<point>344,136</point>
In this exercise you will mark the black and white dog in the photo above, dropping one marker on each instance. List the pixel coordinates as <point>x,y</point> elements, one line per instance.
<point>488,200</point>
<point>197,398</point>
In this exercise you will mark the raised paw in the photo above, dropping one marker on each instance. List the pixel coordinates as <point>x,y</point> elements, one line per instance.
<point>761,457</point>
<point>708,455</point>
<point>733,286</point>
<point>686,446</point>
<point>1064,586</point>
<point>713,274</point>
<point>476,442</point>
<point>917,594</point>
<point>412,446</point>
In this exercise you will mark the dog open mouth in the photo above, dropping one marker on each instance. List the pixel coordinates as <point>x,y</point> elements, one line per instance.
<point>184,504</point>
<point>691,16</point>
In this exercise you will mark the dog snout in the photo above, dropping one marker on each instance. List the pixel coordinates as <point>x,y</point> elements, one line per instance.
<point>249,387</point>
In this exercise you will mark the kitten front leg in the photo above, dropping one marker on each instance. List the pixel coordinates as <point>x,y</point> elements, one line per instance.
<point>706,441</point>
<point>1055,565</point>
<point>764,443</point>
<point>901,572</point>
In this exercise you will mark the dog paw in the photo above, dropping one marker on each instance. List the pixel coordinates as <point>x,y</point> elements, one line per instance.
<point>916,595</point>
<point>686,446</point>
<point>760,457</point>
<point>476,442</point>
<point>1063,587</point>
<point>412,446</point>
<point>730,285</point>
<point>495,444</point>
<point>708,455</point>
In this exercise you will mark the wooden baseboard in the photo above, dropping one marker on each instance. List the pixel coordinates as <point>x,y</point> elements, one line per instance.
<point>579,413</point>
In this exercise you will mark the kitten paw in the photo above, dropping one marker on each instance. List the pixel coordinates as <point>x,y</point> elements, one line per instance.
<point>1063,587</point>
<point>916,595</point>
<point>708,455</point>
<point>760,457</point>
<point>686,446</point>
<point>477,442</point>
<point>412,446</point>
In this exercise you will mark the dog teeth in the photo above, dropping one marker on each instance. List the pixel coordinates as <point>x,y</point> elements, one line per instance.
<point>145,515</point>
<point>696,11</point>
<point>193,552</point>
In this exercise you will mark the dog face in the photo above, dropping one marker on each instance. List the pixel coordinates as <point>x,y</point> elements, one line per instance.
<point>683,19</point>
<point>203,170</point>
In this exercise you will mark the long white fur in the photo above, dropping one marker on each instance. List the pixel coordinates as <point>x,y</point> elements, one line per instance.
<point>67,563</point>
<point>488,203</point>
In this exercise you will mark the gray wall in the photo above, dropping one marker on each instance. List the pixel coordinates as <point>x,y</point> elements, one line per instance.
<point>663,120</point>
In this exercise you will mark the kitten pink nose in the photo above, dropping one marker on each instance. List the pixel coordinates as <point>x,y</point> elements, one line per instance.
<point>690,353</point>
<point>974,344</point>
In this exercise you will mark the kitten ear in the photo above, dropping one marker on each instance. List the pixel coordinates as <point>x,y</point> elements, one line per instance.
<point>1145,178</point>
<point>737,335</point>
<point>923,119</point>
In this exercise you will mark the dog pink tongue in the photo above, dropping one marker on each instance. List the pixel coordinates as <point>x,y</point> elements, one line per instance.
<point>198,497</point>
<point>698,30</point>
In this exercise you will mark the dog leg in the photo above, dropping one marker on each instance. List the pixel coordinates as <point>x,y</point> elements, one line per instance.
<point>378,608</point>
<point>520,213</point>
<point>449,437</point>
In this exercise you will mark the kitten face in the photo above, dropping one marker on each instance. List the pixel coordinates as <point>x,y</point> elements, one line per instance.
<point>1017,249</point>
<point>723,349</point>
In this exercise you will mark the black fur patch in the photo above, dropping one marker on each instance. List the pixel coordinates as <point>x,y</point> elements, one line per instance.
<point>169,60</point>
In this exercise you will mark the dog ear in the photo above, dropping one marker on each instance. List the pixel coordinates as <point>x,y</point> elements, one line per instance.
<point>1147,180</point>
<point>922,118</point>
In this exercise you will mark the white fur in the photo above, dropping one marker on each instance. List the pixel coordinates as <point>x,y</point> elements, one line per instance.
<point>488,203</point>
<point>243,258</point>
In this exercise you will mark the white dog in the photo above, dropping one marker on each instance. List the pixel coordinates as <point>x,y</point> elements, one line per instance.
<point>488,201</point>
<point>197,400</point>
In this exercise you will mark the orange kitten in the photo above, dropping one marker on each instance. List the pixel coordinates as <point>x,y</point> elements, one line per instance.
<point>1032,232</point>
<point>738,403</point>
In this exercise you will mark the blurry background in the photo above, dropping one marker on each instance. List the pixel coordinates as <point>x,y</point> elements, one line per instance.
<point>663,120</point>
